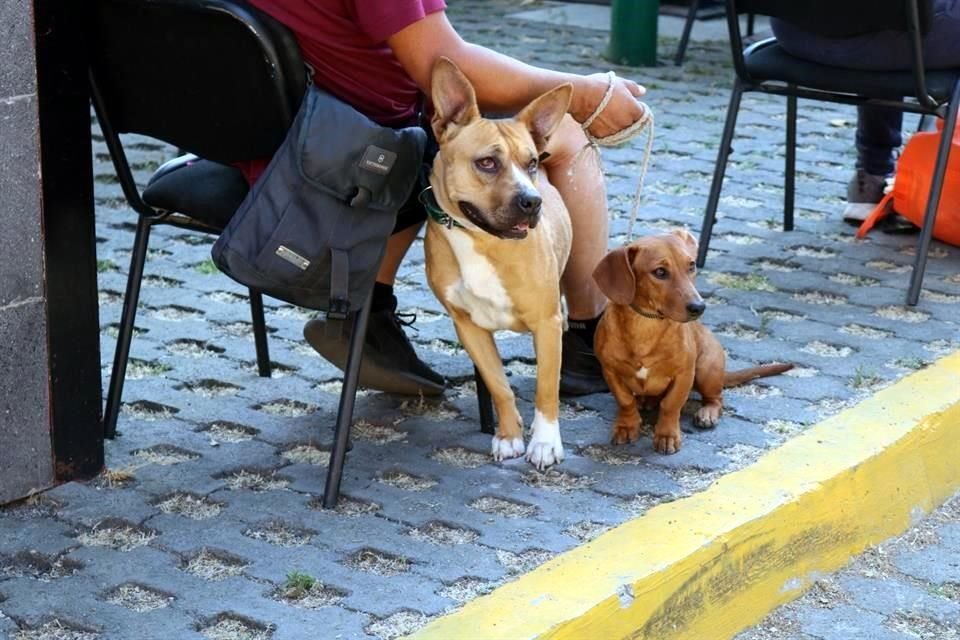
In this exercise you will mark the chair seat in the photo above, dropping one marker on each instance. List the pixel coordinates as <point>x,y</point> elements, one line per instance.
<point>205,191</point>
<point>768,61</point>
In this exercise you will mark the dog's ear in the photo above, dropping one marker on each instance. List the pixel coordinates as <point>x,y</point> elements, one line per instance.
<point>454,100</point>
<point>614,275</point>
<point>543,115</point>
<point>687,238</point>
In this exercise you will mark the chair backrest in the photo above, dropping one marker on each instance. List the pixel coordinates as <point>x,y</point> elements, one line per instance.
<point>842,18</point>
<point>217,78</point>
<point>839,19</point>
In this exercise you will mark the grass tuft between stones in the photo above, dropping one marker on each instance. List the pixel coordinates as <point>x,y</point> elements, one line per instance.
<point>303,590</point>
<point>56,629</point>
<point>229,626</point>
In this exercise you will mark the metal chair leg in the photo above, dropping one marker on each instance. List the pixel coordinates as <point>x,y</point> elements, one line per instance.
<point>485,404</point>
<point>723,153</point>
<point>127,318</point>
<point>348,396</point>
<point>933,201</point>
<point>789,170</point>
<point>260,334</point>
<point>687,28</point>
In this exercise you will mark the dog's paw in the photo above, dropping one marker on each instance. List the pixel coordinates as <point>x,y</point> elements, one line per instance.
<point>707,417</point>
<point>544,454</point>
<point>625,433</point>
<point>504,449</point>
<point>667,442</point>
<point>546,447</point>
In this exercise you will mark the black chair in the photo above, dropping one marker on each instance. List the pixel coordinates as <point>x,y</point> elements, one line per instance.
<point>222,80</point>
<point>766,67</point>
<point>692,14</point>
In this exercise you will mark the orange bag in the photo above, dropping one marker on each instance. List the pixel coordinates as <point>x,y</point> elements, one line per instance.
<point>911,186</point>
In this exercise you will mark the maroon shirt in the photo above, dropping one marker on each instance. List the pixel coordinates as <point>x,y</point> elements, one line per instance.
<point>344,41</point>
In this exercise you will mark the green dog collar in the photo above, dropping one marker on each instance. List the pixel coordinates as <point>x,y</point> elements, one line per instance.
<point>438,215</point>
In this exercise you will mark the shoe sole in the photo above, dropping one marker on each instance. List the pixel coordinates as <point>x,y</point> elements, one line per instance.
<point>856,212</point>
<point>372,374</point>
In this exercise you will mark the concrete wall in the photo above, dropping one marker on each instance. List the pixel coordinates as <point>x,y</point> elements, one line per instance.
<point>26,457</point>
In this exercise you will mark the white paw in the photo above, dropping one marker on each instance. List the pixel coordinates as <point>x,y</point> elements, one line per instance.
<point>545,448</point>
<point>503,449</point>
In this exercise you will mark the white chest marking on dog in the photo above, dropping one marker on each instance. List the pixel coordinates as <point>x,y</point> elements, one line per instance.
<point>546,447</point>
<point>479,291</point>
<point>642,373</point>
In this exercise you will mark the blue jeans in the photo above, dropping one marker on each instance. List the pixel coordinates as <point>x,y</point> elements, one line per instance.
<point>878,130</point>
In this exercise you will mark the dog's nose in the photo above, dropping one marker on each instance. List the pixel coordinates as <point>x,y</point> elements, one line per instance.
<point>696,309</point>
<point>527,203</point>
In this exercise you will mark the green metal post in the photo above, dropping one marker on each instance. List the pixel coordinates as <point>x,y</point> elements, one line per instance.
<point>633,32</point>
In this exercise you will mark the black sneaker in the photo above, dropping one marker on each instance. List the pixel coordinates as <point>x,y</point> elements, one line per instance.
<point>580,371</point>
<point>389,362</point>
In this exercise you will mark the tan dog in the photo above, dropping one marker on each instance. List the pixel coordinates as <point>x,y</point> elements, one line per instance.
<point>650,342</point>
<point>497,245</point>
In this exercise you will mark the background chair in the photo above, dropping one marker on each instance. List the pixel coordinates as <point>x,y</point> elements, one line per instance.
<point>221,80</point>
<point>692,13</point>
<point>766,67</point>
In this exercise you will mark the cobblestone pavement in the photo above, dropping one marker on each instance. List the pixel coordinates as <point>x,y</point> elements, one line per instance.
<point>206,522</point>
<point>903,589</point>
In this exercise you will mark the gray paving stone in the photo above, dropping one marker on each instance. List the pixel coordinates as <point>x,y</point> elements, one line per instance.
<point>845,622</point>
<point>937,564</point>
<point>890,596</point>
<point>44,535</point>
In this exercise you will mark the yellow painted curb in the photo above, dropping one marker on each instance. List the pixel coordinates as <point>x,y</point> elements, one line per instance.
<point>708,566</point>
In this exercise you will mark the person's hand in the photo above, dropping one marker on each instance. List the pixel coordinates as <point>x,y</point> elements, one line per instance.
<point>623,109</point>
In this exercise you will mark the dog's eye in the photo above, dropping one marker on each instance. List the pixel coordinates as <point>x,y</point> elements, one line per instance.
<point>532,167</point>
<point>660,273</point>
<point>692,268</point>
<point>487,164</point>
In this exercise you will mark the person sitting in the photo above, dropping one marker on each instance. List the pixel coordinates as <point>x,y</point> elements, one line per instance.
<point>377,56</point>
<point>879,130</point>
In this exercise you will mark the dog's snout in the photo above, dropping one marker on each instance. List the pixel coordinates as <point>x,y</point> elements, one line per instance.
<point>527,203</point>
<point>696,309</point>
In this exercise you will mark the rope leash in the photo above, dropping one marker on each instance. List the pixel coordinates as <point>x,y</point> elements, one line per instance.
<point>646,122</point>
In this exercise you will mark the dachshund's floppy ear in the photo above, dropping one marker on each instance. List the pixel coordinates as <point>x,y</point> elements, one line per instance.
<point>454,100</point>
<point>614,275</point>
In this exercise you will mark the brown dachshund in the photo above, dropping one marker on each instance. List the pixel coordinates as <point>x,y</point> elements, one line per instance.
<point>651,344</point>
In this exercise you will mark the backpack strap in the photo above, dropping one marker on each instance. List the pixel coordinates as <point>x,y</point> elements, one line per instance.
<point>339,306</point>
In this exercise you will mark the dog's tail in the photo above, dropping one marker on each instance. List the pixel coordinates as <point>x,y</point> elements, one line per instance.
<point>734,378</point>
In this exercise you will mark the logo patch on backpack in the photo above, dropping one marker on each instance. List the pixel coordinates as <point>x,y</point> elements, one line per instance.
<point>378,160</point>
<point>293,258</point>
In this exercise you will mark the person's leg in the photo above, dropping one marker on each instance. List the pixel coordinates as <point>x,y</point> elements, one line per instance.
<point>579,179</point>
<point>878,137</point>
<point>389,361</point>
<point>397,247</point>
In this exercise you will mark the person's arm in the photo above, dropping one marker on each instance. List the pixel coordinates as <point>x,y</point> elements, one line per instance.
<point>506,85</point>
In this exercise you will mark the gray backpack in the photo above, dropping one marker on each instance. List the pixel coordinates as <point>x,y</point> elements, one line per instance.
<point>313,228</point>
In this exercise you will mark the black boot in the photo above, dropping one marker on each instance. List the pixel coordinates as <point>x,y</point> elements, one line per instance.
<point>389,362</point>
<point>580,371</point>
